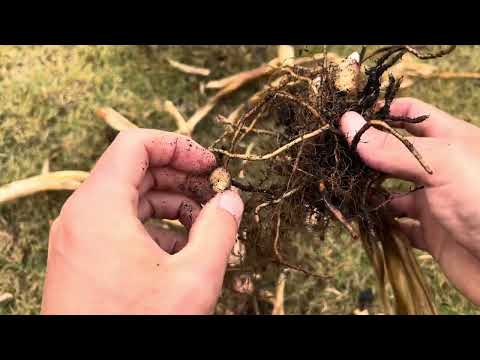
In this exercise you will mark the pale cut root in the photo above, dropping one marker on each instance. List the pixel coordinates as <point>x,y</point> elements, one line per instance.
<point>58,180</point>
<point>189,69</point>
<point>114,119</point>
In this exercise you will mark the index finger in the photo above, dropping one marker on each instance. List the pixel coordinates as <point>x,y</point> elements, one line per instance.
<point>135,150</point>
<point>438,123</point>
<point>385,153</point>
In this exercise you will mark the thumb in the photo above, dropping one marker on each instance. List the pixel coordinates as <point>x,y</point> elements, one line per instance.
<point>385,153</point>
<point>214,232</point>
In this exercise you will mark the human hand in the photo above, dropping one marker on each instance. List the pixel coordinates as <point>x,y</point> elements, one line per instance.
<point>103,260</point>
<point>443,218</point>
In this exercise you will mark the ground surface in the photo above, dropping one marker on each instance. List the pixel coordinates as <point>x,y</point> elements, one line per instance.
<point>47,101</point>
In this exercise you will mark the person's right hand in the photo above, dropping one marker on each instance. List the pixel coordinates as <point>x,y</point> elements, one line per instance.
<point>444,217</point>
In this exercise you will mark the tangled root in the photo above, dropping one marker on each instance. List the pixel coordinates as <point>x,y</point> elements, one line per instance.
<point>308,171</point>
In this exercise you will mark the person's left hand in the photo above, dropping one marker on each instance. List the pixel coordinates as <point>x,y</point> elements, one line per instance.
<point>102,259</point>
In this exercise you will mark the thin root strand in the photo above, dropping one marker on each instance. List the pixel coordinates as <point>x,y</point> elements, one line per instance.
<point>276,152</point>
<point>403,139</point>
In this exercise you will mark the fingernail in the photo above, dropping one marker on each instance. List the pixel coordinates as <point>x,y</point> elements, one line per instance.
<point>231,202</point>
<point>350,123</point>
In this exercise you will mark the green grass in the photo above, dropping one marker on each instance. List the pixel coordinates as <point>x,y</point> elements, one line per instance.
<point>47,103</point>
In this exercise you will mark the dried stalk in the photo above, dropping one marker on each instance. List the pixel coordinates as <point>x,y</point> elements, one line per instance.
<point>411,294</point>
<point>455,75</point>
<point>249,75</point>
<point>114,119</point>
<point>227,89</point>
<point>5,297</point>
<point>189,69</point>
<point>286,54</point>
<point>59,180</point>
<point>410,69</point>
<point>244,76</point>
<point>278,304</point>
<point>170,108</point>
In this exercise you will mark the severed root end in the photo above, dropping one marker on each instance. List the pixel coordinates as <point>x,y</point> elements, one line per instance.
<point>220,180</point>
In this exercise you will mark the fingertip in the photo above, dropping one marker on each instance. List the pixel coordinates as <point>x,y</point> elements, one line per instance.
<point>209,161</point>
<point>350,123</point>
<point>215,230</point>
<point>231,202</point>
<point>195,159</point>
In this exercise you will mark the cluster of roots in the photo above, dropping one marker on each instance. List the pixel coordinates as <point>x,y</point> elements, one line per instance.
<point>287,154</point>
